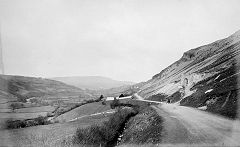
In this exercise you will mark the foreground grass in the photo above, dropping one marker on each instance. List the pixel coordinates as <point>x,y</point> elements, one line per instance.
<point>126,126</point>
<point>144,128</point>
<point>105,134</point>
<point>47,135</point>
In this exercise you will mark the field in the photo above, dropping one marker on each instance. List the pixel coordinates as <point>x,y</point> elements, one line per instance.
<point>46,135</point>
<point>23,113</point>
<point>35,109</point>
<point>87,109</point>
<point>52,134</point>
<point>26,113</point>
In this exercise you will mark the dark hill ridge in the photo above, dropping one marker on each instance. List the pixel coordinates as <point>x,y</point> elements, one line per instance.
<point>93,82</point>
<point>26,87</point>
<point>205,77</point>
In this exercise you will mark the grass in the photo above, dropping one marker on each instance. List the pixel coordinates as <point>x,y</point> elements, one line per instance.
<point>105,134</point>
<point>61,134</point>
<point>25,113</point>
<point>5,110</point>
<point>86,109</point>
<point>15,124</point>
<point>136,125</point>
<point>47,135</point>
<point>19,115</point>
<point>66,107</point>
<point>145,127</point>
<point>22,115</point>
<point>36,109</point>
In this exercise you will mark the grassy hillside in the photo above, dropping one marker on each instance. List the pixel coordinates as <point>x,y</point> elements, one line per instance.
<point>24,98</point>
<point>21,88</point>
<point>84,110</point>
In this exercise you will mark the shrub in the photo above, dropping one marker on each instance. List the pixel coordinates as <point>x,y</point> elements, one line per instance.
<point>114,103</point>
<point>146,127</point>
<point>106,133</point>
<point>14,106</point>
<point>103,102</point>
<point>41,120</point>
<point>14,124</point>
<point>122,95</point>
<point>93,135</point>
<point>101,97</point>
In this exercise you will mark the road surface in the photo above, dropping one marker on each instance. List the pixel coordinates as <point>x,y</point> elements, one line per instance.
<point>185,125</point>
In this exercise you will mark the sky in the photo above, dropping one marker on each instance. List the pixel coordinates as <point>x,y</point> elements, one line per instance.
<point>129,40</point>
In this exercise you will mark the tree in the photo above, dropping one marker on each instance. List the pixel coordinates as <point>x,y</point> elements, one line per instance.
<point>103,102</point>
<point>114,103</point>
<point>122,95</point>
<point>101,97</point>
<point>14,106</point>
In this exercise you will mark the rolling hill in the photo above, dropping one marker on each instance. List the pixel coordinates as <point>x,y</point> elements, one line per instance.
<point>21,88</point>
<point>93,82</point>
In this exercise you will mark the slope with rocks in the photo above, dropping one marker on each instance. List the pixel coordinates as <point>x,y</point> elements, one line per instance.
<point>205,77</point>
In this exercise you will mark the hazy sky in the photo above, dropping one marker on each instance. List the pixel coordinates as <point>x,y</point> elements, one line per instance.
<point>122,39</point>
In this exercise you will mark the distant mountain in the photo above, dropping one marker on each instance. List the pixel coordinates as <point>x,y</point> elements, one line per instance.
<point>206,77</point>
<point>114,92</point>
<point>19,88</point>
<point>93,82</point>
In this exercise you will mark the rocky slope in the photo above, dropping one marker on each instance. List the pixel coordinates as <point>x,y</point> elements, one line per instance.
<point>203,77</point>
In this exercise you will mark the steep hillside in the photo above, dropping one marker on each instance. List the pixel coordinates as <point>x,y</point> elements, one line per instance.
<point>205,77</point>
<point>21,88</point>
<point>92,82</point>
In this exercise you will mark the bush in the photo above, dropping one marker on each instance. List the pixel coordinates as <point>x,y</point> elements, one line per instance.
<point>106,133</point>
<point>114,103</point>
<point>122,95</point>
<point>93,135</point>
<point>144,128</point>
<point>103,102</point>
<point>14,106</point>
<point>101,97</point>
<point>14,124</point>
<point>41,120</point>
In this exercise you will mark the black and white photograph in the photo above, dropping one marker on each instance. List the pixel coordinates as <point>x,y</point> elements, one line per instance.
<point>119,73</point>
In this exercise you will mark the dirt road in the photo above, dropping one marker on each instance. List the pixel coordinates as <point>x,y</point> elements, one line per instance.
<point>185,125</point>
